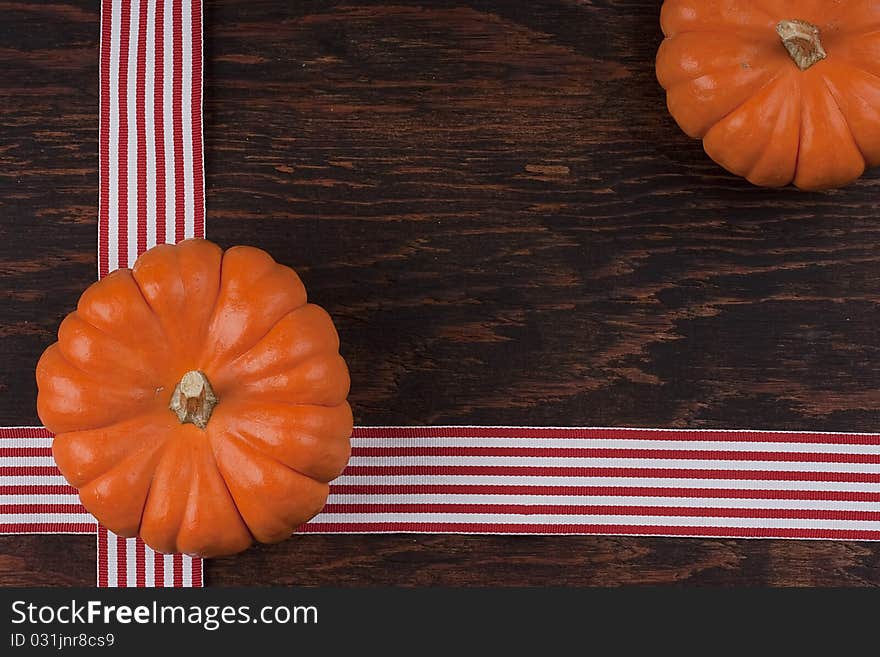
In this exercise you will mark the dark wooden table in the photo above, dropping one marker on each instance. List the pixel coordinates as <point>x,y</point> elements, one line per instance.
<point>508,228</point>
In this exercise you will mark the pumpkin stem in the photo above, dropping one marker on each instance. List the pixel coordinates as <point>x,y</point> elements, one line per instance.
<point>802,40</point>
<point>193,399</point>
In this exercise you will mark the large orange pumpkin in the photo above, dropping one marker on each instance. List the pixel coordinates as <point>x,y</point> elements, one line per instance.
<point>780,91</point>
<point>198,400</point>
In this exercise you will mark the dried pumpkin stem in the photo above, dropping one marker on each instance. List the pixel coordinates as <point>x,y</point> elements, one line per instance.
<point>803,42</point>
<point>193,399</point>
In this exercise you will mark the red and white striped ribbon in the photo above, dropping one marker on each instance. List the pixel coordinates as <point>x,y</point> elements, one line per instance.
<point>532,480</point>
<point>130,563</point>
<point>152,187</point>
<point>34,497</point>
<point>507,480</point>
<point>151,163</point>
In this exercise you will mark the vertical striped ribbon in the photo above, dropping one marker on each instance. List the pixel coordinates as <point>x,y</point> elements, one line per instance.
<point>444,479</point>
<point>152,188</point>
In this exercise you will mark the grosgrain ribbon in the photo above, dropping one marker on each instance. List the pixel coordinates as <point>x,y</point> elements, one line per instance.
<point>546,480</point>
<point>479,480</point>
<point>151,188</point>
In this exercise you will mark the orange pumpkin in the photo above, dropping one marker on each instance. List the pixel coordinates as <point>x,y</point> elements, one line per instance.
<point>198,400</point>
<point>780,91</point>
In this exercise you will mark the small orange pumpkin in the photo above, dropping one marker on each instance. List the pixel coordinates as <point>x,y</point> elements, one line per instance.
<point>780,91</point>
<point>198,400</point>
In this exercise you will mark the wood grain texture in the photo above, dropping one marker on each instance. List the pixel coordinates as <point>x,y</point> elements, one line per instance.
<point>508,228</point>
<point>48,183</point>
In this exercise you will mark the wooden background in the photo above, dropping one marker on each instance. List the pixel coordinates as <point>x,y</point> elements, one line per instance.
<point>492,202</point>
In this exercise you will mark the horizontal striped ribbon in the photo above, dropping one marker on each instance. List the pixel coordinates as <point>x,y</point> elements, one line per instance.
<point>529,480</point>
<point>479,480</point>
